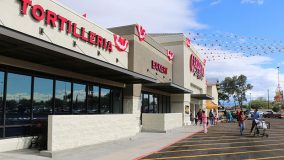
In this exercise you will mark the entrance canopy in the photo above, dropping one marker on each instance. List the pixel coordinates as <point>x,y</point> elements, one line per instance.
<point>202,96</point>
<point>169,87</point>
<point>24,47</point>
<point>211,105</point>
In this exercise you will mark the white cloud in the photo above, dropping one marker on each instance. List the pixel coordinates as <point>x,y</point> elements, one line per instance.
<point>261,78</point>
<point>155,16</point>
<point>259,2</point>
<point>215,2</point>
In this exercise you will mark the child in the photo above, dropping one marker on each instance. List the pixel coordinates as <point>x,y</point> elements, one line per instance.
<point>242,119</point>
<point>204,121</point>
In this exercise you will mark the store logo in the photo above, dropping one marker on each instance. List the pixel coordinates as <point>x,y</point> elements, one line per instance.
<point>159,67</point>
<point>170,55</point>
<point>187,42</point>
<point>141,32</point>
<point>55,20</point>
<point>121,44</point>
<point>196,67</point>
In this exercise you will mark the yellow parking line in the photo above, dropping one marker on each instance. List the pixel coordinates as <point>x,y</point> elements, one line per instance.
<point>228,139</point>
<point>220,148</point>
<point>220,136</point>
<point>211,144</point>
<point>218,154</point>
<point>276,157</point>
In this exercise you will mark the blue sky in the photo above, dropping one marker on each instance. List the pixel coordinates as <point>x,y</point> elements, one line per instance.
<point>257,18</point>
<point>251,19</point>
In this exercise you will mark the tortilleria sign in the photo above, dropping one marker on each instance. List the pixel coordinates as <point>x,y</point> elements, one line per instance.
<point>53,19</point>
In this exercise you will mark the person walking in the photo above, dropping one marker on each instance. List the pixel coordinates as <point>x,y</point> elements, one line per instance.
<point>196,119</point>
<point>200,116</point>
<point>215,118</point>
<point>211,117</point>
<point>255,116</point>
<point>230,117</point>
<point>204,121</point>
<point>242,119</point>
<point>191,118</point>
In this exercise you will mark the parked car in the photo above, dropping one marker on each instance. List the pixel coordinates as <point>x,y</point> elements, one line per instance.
<point>279,115</point>
<point>269,114</point>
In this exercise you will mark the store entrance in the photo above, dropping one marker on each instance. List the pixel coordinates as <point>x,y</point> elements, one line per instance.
<point>154,103</point>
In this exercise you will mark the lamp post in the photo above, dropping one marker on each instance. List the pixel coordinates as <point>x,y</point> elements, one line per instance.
<point>250,100</point>
<point>268,99</point>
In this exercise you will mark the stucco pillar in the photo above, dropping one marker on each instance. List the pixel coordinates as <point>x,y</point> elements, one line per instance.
<point>131,102</point>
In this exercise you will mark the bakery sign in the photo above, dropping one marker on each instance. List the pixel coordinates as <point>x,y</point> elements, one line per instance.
<point>196,67</point>
<point>55,20</point>
<point>158,67</point>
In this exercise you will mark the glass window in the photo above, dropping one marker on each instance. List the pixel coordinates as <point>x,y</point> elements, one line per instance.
<point>1,98</point>
<point>117,100</point>
<point>164,104</point>
<point>43,98</point>
<point>1,132</point>
<point>18,101</point>
<point>79,98</point>
<point>155,104</point>
<point>93,99</point>
<point>160,104</point>
<point>145,103</point>
<point>169,104</point>
<point>17,131</point>
<point>62,97</point>
<point>151,103</point>
<point>105,101</point>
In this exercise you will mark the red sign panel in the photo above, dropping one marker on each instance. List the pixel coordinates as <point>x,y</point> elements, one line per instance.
<point>187,42</point>
<point>121,44</point>
<point>141,32</point>
<point>38,13</point>
<point>159,67</point>
<point>196,67</point>
<point>170,55</point>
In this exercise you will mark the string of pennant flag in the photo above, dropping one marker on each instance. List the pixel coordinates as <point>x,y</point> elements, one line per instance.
<point>220,46</point>
<point>215,46</point>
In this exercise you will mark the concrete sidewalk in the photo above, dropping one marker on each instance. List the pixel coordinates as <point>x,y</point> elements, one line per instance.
<point>125,149</point>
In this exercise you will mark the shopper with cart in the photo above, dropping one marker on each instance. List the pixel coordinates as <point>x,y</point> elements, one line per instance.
<point>255,116</point>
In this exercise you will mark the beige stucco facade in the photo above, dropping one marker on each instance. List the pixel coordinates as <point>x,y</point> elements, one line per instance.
<point>182,74</point>
<point>11,17</point>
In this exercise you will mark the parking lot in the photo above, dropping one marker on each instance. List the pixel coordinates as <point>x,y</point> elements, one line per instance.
<point>223,142</point>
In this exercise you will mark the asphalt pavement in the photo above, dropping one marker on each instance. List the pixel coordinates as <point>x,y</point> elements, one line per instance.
<point>224,142</point>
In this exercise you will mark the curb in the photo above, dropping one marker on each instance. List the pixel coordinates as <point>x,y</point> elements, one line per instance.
<point>166,146</point>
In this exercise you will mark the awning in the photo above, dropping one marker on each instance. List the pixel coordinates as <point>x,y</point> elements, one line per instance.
<point>168,87</point>
<point>201,96</point>
<point>211,105</point>
<point>24,47</point>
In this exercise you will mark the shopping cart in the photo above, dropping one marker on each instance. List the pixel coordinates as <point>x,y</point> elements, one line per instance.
<point>261,127</point>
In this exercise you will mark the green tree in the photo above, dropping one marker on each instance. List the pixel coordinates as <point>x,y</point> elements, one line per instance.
<point>222,97</point>
<point>236,87</point>
<point>276,109</point>
<point>259,103</point>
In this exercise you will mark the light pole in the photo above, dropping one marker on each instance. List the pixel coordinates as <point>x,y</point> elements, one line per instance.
<point>268,98</point>
<point>250,100</point>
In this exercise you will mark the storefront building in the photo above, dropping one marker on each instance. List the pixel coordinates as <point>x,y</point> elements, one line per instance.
<point>188,71</point>
<point>57,66</point>
<point>154,100</point>
<point>89,84</point>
